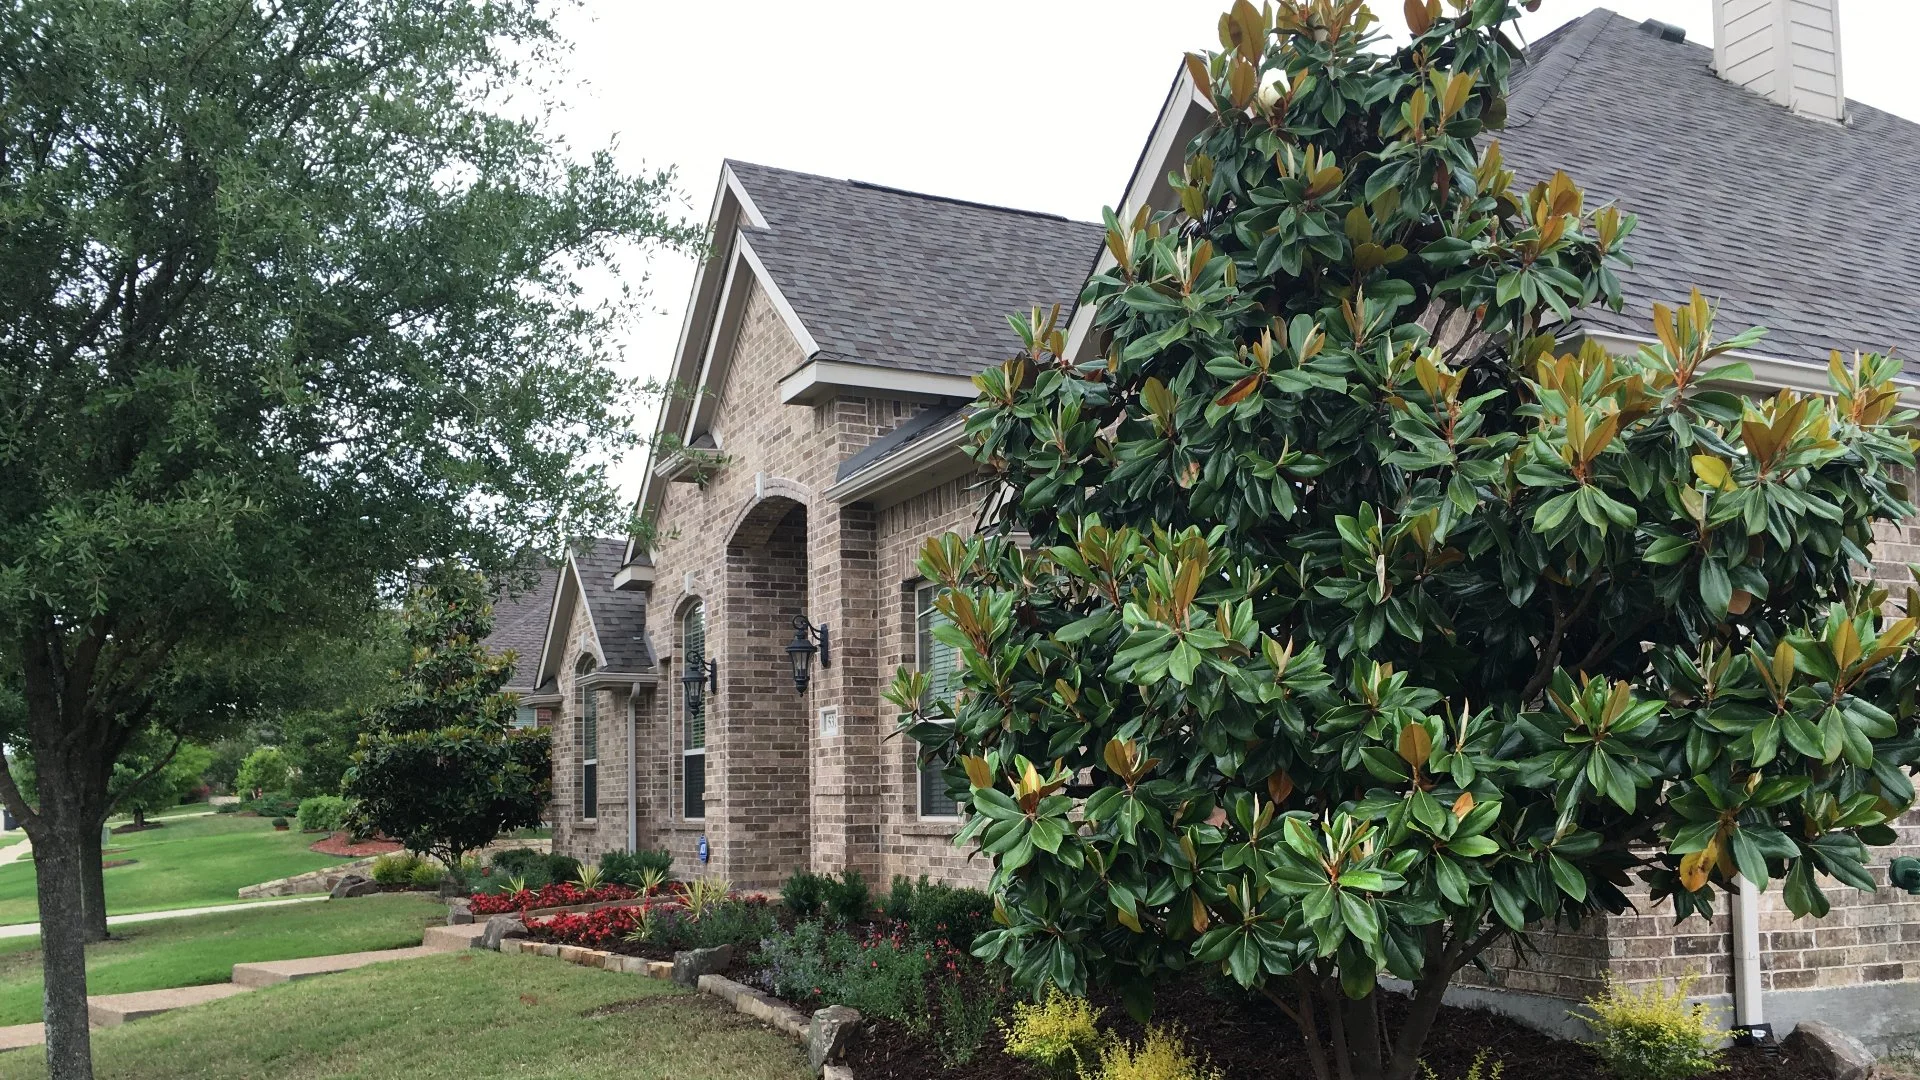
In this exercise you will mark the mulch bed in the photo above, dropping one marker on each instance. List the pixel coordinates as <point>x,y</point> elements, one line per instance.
<point>341,844</point>
<point>111,863</point>
<point>1247,1040</point>
<point>127,828</point>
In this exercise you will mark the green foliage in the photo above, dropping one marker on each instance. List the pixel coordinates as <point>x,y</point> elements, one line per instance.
<point>157,771</point>
<point>228,808</point>
<point>704,894</point>
<point>805,893</point>
<point>426,874</point>
<point>1160,1055</point>
<point>1653,1033</point>
<point>1345,615</point>
<point>631,867</point>
<point>449,792</point>
<point>899,902</point>
<point>453,788</point>
<point>1060,1035</point>
<point>881,974</point>
<point>588,877</point>
<point>1479,1070</point>
<point>947,913</point>
<point>265,769</point>
<point>534,868</point>
<point>322,813</point>
<point>396,868</point>
<point>847,899</point>
<point>275,804</point>
<point>279,823</point>
<point>223,772</point>
<point>966,1015</point>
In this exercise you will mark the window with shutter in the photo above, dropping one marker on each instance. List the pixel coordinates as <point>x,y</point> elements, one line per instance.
<point>693,755</point>
<point>586,740</point>
<point>941,664</point>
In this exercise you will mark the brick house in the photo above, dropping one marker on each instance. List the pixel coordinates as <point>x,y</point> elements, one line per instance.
<point>827,352</point>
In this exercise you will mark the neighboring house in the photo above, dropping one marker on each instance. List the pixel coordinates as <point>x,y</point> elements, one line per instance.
<point>520,620</point>
<point>828,347</point>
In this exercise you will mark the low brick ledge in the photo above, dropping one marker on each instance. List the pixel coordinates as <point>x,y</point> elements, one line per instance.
<point>756,1004</point>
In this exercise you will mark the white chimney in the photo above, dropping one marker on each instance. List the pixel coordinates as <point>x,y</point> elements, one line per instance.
<point>1784,50</point>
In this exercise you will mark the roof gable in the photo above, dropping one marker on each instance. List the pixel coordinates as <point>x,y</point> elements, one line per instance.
<point>896,279</point>
<point>617,619</point>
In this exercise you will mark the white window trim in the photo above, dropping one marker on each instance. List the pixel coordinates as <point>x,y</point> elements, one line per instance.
<point>589,758</point>
<point>685,750</point>
<point>919,664</point>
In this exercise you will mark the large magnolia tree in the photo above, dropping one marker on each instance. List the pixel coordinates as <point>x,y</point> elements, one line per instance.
<point>1364,615</point>
<point>290,303</point>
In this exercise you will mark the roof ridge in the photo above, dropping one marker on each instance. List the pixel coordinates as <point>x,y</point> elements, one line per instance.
<point>871,185</point>
<point>1561,52</point>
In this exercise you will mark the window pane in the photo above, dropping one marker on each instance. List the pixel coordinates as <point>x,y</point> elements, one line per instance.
<point>694,768</point>
<point>590,790</point>
<point>590,725</point>
<point>693,633</point>
<point>525,716</point>
<point>940,663</point>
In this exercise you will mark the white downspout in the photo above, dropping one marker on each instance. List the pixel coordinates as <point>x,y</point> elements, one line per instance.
<point>1747,1013</point>
<point>633,753</point>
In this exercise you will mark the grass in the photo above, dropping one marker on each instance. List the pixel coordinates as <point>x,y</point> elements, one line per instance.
<point>449,1017</point>
<point>188,863</point>
<point>201,949</point>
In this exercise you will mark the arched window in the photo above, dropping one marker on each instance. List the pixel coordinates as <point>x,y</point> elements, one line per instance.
<point>693,754</point>
<point>586,739</point>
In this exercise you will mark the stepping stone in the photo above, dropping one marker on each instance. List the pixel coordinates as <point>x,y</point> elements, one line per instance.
<point>19,1036</point>
<point>274,972</point>
<point>456,938</point>
<point>112,1010</point>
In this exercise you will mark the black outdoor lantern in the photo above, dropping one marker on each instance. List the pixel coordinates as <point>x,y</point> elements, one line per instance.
<point>698,677</point>
<point>800,650</point>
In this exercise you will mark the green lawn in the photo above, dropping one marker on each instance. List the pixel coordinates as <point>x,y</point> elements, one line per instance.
<point>452,1017</point>
<point>203,948</point>
<point>188,863</point>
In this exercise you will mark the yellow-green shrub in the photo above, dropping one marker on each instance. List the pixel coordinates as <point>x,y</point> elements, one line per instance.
<point>1060,1035</point>
<point>1477,1071</point>
<point>1160,1056</point>
<point>1653,1034</point>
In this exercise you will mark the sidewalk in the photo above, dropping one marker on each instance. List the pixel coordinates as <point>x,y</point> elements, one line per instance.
<point>29,929</point>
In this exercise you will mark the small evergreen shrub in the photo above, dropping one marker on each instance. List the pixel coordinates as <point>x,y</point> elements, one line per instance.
<point>1059,1035</point>
<point>275,804</point>
<point>967,1012</point>
<point>899,902</point>
<point>395,868</point>
<point>426,874</point>
<point>848,899</point>
<point>1162,1055</point>
<point>804,893</point>
<point>280,823</point>
<point>228,808</point>
<point>943,912</point>
<point>322,813</point>
<point>631,867</point>
<point>1653,1033</point>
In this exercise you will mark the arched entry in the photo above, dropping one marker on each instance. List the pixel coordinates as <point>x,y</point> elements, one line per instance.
<point>760,753</point>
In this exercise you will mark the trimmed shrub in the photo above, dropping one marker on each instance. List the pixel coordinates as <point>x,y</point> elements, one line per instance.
<point>395,868</point>
<point>322,813</point>
<point>228,808</point>
<point>280,823</point>
<point>631,867</point>
<point>899,902</point>
<point>275,804</point>
<point>1653,1033</point>
<point>943,912</point>
<point>847,898</point>
<point>804,893</point>
<point>1059,1036</point>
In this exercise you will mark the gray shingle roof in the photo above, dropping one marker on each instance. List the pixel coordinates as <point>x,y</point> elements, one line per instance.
<point>901,280</point>
<point>520,626</point>
<point>620,618</point>
<point>1799,225</point>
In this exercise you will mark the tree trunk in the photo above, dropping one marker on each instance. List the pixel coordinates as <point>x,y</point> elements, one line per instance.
<point>1427,995</point>
<point>93,886</point>
<point>139,817</point>
<point>57,848</point>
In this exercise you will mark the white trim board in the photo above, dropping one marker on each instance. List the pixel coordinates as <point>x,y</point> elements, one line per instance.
<point>817,380</point>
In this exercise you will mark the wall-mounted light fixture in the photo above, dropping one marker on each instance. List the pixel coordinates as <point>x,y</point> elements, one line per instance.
<point>697,679</point>
<point>801,649</point>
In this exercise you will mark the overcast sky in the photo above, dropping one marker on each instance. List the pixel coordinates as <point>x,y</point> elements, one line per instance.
<point>1039,104</point>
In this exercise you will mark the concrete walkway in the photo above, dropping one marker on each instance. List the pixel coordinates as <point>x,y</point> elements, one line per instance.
<point>29,929</point>
<point>112,1010</point>
<point>16,852</point>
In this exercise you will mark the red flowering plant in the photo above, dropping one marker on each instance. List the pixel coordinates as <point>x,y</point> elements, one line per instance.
<point>563,894</point>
